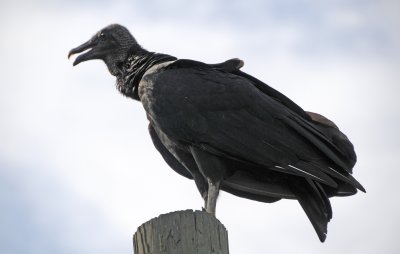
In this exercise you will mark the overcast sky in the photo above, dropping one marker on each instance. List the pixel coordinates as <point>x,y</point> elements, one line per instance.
<point>79,173</point>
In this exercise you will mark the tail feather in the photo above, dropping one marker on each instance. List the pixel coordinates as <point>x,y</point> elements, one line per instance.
<point>315,204</point>
<point>325,199</point>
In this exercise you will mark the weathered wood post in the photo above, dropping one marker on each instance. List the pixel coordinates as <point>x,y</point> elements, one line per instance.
<point>182,232</point>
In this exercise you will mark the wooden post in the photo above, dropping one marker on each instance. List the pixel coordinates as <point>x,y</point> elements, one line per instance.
<point>181,232</point>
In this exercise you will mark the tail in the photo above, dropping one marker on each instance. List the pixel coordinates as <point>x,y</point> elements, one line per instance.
<point>315,203</point>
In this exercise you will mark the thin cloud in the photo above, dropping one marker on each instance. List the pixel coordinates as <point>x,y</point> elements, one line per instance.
<point>90,145</point>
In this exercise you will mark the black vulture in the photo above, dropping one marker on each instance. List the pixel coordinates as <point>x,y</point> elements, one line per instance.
<point>227,130</point>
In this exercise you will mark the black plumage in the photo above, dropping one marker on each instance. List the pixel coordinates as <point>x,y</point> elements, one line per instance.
<point>228,130</point>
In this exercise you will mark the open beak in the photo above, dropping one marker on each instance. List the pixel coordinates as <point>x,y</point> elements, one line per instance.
<point>85,56</point>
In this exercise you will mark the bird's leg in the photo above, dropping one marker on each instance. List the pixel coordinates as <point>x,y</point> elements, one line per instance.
<point>211,202</point>
<point>213,170</point>
<point>205,198</point>
<point>201,184</point>
<point>190,164</point>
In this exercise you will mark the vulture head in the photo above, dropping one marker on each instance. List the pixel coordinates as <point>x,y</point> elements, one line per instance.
<point>111,44</point>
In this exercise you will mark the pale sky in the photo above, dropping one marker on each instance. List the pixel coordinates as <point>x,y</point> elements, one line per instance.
<point>79,173</point>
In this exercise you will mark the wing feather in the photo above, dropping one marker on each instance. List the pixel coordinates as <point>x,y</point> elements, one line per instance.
<point>228,116</point>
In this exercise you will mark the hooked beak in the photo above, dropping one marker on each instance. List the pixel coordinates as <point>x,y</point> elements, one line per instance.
<point>86,56</point>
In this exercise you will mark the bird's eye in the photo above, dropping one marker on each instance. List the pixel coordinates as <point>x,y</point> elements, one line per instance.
<point>101,35</point>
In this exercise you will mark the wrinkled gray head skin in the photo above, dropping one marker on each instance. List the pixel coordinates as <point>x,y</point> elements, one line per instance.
<point>111,44</point>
